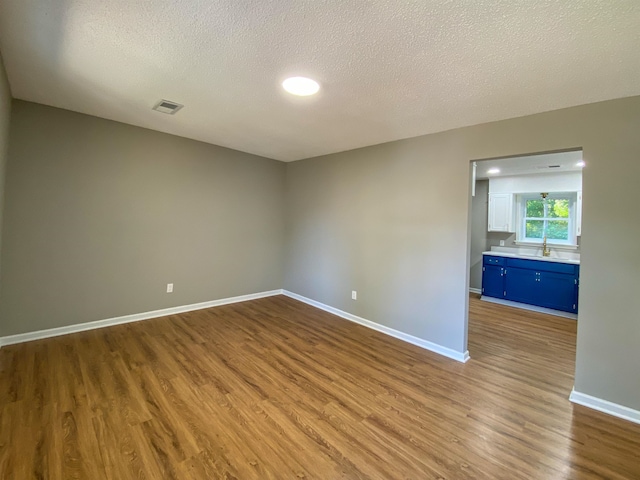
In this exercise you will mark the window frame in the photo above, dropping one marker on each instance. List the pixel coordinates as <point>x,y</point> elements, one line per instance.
<point>521,229</point>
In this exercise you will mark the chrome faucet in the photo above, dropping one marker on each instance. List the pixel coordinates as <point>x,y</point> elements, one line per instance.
<point>545,250</point>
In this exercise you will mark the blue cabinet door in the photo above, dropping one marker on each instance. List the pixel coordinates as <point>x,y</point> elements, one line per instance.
<point>559,291</point>
<point>521,285</point>
<point>492,281</point>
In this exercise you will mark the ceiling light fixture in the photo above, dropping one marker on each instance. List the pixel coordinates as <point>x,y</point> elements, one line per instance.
<point>493,170</point>
<point>301,86</point>
<point>580,164</point>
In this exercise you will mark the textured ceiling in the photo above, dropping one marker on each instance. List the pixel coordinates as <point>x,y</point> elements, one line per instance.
<point>388,69</point>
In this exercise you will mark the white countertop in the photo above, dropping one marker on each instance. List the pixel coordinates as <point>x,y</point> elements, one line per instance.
<point>532,257</point>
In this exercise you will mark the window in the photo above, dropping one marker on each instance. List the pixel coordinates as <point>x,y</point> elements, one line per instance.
<point>553,217</point>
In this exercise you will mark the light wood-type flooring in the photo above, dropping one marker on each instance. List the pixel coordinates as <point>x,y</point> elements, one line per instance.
<point>274,388</point>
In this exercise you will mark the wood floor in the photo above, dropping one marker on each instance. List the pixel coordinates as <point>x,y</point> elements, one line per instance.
<point>273,388</point>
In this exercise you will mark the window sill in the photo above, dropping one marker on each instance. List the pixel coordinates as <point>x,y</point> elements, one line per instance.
<point>558,246</point>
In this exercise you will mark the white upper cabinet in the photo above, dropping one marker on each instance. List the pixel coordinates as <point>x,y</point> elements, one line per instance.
<point>501,212</point>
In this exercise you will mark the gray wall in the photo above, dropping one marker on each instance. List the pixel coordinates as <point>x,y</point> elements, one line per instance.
<point>100,216</point>
<point>5,117</point>
<point>392,221</point>
<point>479,236</point>
<point>388,221</point>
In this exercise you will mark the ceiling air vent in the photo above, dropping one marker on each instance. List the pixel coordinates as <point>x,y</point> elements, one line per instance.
<point>166,106</point>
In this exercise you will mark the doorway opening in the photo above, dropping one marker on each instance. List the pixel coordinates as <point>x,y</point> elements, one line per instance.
<point>524,251</point>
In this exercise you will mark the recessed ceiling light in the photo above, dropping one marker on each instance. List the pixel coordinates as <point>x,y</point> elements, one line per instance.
<point>301,86</point>
<point>580,164</point>
<point>493,170</point>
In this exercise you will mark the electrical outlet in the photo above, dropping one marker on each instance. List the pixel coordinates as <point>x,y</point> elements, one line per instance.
<point>354,295</point>
<point>169,287</point>
<point>502,243</point>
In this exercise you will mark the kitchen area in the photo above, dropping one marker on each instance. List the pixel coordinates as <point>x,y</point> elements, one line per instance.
<point>525,231</point>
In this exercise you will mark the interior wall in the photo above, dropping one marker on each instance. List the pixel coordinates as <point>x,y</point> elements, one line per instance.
<point>100,216</point>
<point>5,117</point>
<point>375,220</point>
<point>479,236</point>
<point>547,182</point>
<point>392,222</point>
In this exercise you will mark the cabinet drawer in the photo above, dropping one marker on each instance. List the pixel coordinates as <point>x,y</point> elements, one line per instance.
<point>542,266</point>
<point>488,260</point>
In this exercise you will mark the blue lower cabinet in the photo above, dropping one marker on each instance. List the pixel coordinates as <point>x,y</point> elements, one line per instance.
<point>559,290</point>
<point>521,285</point>
<point>492,281</point>
<point>545,284</point>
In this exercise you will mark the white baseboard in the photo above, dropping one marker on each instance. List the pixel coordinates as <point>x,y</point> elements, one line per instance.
<point>605,406</point>
<point>434,347</point>
<point>532,308</point>
<point>136,317</point>
<point>475,290</point>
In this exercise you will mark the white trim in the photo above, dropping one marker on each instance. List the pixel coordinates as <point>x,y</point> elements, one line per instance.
<point>434,347</point>
<point>136,317</point>
<point>555,246</point>
<point>475,290</point>
<point>605,406</point>
<point>533,308</point>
